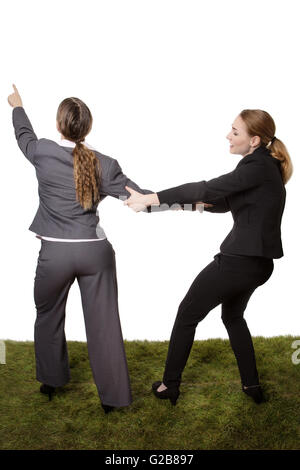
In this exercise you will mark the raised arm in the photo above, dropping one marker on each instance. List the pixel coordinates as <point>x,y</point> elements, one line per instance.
<point>26,138</point>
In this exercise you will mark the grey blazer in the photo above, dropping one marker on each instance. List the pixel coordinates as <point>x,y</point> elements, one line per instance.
<point>59,214</point>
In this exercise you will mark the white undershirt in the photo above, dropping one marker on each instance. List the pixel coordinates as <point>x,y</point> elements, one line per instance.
<point>69,240</point>
<point>69,143</point>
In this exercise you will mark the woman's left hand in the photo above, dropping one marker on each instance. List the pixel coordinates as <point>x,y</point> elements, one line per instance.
<point>15,99</point>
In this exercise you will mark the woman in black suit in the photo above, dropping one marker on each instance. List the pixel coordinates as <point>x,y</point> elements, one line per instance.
<point>255,194</point>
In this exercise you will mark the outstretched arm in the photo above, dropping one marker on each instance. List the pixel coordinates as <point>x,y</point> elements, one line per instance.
<point>139,202</point>
<point>24,132</point>
<point>118,185</point>
<point>248,174</point>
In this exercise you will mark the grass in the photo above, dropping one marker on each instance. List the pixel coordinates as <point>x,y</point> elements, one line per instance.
<point>211,412</point>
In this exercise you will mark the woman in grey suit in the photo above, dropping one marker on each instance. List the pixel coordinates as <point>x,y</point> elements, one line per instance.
<point>255,194</point>
<point>73,178</point>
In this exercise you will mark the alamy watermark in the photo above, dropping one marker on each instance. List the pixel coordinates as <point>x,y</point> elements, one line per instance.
<point>196,206</point>
<point>296,354</point>
<point>2,352</point>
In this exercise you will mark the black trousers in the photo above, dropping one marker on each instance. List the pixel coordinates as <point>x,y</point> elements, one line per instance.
<point>230,281</point>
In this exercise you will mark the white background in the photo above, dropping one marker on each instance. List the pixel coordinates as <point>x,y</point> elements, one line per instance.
<point>164,81</point>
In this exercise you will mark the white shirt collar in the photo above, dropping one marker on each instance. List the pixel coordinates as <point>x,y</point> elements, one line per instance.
<point>69,143</point>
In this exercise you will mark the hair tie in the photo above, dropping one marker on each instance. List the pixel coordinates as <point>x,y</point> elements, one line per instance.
<point>271,141</point>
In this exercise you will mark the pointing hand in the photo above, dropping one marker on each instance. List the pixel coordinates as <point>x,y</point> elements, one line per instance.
<point>15,99</point>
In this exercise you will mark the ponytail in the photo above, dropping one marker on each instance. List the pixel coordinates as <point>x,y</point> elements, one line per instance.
<point>86,175</point>
<point>261,123</point>
<point>278,150</point>
<point>74,121</point>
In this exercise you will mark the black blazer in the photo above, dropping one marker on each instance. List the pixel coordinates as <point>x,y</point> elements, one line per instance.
<point>255,194</point>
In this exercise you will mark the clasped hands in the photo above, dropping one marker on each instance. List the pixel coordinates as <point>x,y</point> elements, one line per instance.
<point>138,201</point>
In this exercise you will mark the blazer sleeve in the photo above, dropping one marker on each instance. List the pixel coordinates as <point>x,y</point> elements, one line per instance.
<point>114,185</point>
<point>219,205</point>
<point>26,138</point>
<point>247,174</point>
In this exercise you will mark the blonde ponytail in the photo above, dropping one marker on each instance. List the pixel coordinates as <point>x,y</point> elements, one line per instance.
<point>278,150</point>
<point>261,123</point>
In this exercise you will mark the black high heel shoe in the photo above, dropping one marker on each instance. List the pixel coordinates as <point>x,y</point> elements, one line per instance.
<point>255,392</point>
<point>107,408</point>
<point>171,393</point>
<point>48,390</point>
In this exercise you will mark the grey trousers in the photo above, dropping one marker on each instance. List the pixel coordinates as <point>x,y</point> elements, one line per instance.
<point>93,265</point>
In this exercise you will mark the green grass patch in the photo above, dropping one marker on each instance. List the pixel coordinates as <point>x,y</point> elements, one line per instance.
<point>211,412</point>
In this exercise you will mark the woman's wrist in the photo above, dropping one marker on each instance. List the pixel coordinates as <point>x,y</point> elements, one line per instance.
<point>151,200</point>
